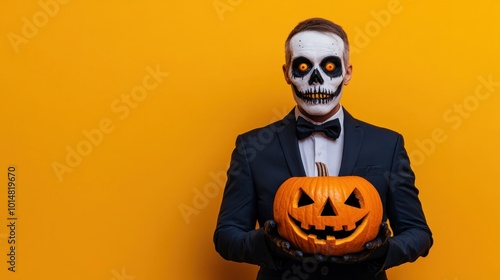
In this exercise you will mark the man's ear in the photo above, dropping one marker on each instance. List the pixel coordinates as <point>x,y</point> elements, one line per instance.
<point>285,73</point>
<point>348,75</point>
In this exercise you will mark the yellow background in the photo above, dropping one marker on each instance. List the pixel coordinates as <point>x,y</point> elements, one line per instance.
<point>68,67</point>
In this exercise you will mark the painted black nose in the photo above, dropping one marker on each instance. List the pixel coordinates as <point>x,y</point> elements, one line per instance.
<point>316,78</point>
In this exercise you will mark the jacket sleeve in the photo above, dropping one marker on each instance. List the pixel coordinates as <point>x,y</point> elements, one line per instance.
<point>412,236</point>
<point>235,236</point>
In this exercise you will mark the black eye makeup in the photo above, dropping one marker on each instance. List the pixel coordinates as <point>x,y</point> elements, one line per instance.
<point>332,66</point>
<point>301,66</point>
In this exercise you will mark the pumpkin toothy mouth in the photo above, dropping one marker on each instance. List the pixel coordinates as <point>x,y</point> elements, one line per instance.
<point>329,232</point>
<point>317,95</point>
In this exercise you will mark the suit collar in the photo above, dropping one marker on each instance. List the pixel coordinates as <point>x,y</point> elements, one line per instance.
<point>287,135</point>
<point>353,138</point>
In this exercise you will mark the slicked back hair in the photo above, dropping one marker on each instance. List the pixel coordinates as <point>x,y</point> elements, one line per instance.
<point>320,25</point>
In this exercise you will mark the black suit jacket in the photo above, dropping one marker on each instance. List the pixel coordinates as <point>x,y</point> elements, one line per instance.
<point>264,158</point>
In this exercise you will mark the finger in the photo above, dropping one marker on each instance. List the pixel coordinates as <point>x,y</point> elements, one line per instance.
<point>272,223</point>
<point>347,258</point>
<point>319,257</point>
<point>294,254</point>
<point>373,244</point>
<point>335,259</point>
<point>299,254</point>
<point>280,243</point>
<point>267,227</point>
<point>387,233</point>
<point>270,228</point>
<point>353,258</point>
<point>284,244</point>
<point>384,229</point>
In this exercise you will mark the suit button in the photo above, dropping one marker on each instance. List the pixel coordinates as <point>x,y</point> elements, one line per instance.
<point>324,270</point>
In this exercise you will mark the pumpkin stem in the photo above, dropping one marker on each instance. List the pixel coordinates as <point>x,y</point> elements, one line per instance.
<point>322,169</point>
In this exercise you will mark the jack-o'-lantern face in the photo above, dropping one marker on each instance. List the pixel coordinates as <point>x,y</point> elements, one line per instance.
<point>328,215</point>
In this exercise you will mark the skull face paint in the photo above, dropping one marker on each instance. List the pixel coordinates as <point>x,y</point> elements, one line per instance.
<point>316,71</point>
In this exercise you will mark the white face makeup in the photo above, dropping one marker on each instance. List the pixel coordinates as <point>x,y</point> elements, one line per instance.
<point>317,71</point>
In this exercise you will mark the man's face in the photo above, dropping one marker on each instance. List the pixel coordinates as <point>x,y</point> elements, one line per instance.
<point>316,71</point>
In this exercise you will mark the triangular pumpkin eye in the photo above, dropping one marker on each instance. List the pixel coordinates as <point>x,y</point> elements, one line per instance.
<point>353,200</point>
<point>304,199</point>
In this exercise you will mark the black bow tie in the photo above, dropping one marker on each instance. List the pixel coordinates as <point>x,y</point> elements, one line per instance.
<point>331,128</point>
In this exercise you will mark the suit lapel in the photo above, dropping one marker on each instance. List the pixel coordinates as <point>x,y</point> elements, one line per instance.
<point>353,138</point>
<point>287,136</point>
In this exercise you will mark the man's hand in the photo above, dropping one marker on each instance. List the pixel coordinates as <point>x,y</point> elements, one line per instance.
<point>374,249</point>
<point>278,245</point>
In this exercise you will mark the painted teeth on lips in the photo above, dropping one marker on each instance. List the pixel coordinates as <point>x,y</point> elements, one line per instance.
<point>316,95</point>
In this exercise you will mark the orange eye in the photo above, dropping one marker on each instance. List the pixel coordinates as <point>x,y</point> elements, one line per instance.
<point>330,66</point>
<point>303,67</point>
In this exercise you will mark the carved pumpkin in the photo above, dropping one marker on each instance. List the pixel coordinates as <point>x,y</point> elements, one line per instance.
<point>328,215</point>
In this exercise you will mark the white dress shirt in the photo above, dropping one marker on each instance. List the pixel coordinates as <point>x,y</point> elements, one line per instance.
<point>319,148</point>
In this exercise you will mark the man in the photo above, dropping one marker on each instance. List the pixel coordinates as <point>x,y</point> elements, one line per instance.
<point>317,68</point>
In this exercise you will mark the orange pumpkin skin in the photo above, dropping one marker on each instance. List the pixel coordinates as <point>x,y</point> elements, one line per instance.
<point>347,207</point>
